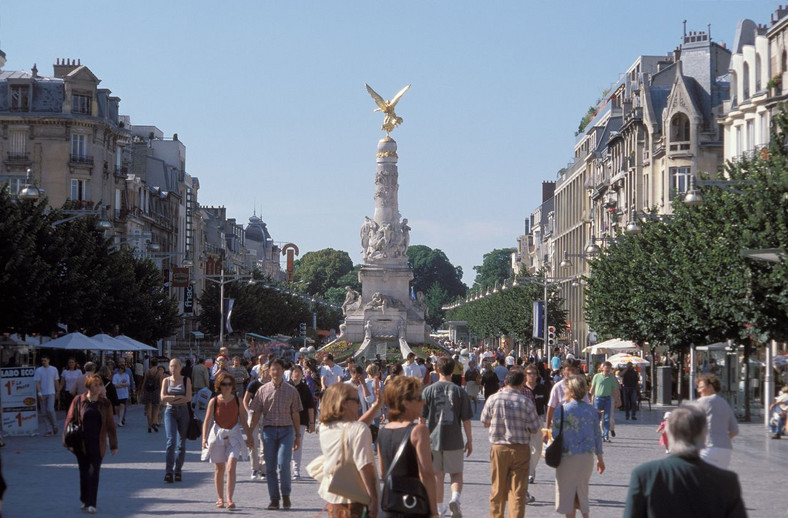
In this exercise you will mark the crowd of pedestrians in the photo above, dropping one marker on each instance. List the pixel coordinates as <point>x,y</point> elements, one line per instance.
<point>406,421</point>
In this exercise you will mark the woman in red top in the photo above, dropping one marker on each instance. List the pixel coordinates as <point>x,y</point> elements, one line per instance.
<point>222,441</point>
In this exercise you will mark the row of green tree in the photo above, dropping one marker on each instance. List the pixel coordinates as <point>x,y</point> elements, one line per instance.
<point>265,308</point>
<point>684,280</point>
<point>508,309</point>
<point>70,275</point>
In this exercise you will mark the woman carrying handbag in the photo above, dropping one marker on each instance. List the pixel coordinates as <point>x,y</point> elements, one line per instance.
<point>349,483</point>
<point>92,412</point>
<point>404,454</point>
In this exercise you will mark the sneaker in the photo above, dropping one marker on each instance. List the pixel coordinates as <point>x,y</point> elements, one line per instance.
<point>168,478</point>
<point>49,434</point>
<point>455,509</point>
<point>120,424</point>
<point>91,510</point>
<point>255,475</point>
<point>613,433</point>
<point>296,475</point>
<point>529,499</point>
<point>531,479</point>
<point>178,477</point>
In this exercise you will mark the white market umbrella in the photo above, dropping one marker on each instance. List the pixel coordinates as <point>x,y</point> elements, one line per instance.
<point>624,358</point>
<point>110,344</point>
<point>615,345</point>
<point>75,341</point>
<point>136,344</point>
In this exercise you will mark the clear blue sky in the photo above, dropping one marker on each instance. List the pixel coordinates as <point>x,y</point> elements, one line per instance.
<point>269,98</point>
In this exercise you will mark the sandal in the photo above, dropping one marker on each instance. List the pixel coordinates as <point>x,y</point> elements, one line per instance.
<point>220,503</point>
<point>230,505</point>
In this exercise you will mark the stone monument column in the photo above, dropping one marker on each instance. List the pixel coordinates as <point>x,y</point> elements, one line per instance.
<point>383,315</point>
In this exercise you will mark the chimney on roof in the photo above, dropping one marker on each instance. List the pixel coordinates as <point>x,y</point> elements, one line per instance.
<point>64,66</point>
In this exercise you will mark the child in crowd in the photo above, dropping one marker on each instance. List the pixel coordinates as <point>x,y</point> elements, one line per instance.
<point>663,438</point>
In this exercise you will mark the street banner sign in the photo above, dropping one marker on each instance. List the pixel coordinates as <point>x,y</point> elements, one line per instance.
<point>19,400</point>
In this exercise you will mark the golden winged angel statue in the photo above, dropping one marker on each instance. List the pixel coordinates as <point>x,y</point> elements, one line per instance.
<point>387,107</point>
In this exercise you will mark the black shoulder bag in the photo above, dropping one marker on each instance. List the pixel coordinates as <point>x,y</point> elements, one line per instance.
<point>552,455</point>
<point>74,436</point>
<point>402,494</point>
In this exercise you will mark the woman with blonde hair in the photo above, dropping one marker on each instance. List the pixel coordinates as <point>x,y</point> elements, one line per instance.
<point>403,398</point>
<point>176,393</point>
<point>93,412</point>
<point>582,438</point>
<point>225,418</point>
<point>340,430</point>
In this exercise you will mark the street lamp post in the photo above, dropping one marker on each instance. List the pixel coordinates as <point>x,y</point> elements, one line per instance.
<point>221,281</point>
<point>548,281</point>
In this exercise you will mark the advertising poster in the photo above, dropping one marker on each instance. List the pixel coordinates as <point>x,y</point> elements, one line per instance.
<point>18,399</point>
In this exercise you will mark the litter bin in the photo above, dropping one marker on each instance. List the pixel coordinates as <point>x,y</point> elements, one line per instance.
<point>664,388</point>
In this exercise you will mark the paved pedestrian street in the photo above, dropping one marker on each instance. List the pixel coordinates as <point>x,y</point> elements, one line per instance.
<point>43,480</point>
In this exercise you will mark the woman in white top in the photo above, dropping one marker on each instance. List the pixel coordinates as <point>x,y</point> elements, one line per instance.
<point>71,377</point>
<point>339,412</point>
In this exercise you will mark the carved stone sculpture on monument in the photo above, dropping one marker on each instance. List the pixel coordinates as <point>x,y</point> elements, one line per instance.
<point>352,300</point>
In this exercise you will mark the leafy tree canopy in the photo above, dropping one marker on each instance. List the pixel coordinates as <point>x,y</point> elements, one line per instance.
<point>683,280</point>
<point>437,279</point>
<point>495,268</point>
<point>318,271</point>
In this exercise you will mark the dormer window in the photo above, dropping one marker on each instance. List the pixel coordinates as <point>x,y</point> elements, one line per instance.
<point>80,103</point>
<point>20,98</point>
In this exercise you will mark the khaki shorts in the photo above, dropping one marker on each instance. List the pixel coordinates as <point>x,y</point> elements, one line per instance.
<point>450,461</point>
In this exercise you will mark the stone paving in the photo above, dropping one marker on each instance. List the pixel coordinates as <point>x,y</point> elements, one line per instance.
<point>42,476</point>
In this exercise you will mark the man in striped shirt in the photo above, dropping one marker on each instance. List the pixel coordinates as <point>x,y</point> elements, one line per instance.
<point>278,404</point>
<point>510,418</point>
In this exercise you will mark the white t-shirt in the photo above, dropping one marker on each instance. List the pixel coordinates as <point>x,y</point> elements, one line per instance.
<point>411,369</point>
<point>118,379</point>
<point>71,378</point>
<point>558,395</point>
<point>358,438</point>
<point>332,374</point>
<point>47,376</point>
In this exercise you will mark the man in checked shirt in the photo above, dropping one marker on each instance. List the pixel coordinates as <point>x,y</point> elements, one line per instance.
<point>279,406</point>
<point>511,419</point>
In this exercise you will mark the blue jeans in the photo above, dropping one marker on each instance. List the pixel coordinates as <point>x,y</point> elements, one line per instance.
<point>604,403</point>
<point>48,409</point>
<point>176,423</point>
<point>777,428</point>
<point>278,452</point>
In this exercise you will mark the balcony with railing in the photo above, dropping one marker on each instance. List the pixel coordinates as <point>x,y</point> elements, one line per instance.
<point>19,158</point>
<point>81,160</point>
